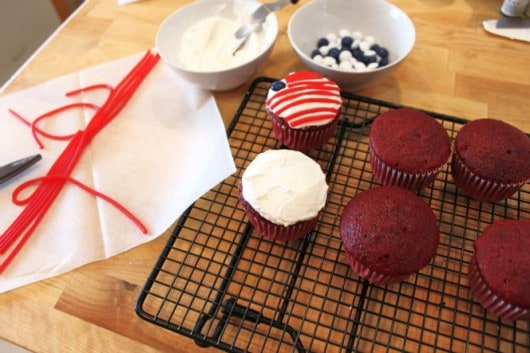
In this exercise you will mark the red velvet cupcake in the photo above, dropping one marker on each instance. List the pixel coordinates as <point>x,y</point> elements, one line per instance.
<point>491,160</point>
<point>388,233</point>
<point>408,148</point>
<point>499,269</point>
<point>304,109</point>
<point>283,193</point>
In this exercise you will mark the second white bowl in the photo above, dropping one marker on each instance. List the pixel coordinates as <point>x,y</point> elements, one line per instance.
<point>389,25</point>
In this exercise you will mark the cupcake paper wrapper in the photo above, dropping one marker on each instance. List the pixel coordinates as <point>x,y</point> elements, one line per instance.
<point>477,187</point>
<point>303,139</point>
<point>276,231</point>
<point>371,275</point>
<point>387,175</point>
<point>489,300</point>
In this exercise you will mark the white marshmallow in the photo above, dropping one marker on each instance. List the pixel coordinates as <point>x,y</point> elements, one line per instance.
<point>357,35</point>
<point>318,59</point>
<point>329,61</point>
<point>344,33</point>
<point>346,66</point>
<point>369,39</point>
<point>332,38</point>
<point>345,55</point>
<point>324,50</point>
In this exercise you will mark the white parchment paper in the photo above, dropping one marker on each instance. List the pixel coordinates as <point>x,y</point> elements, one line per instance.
<point>165,149</point>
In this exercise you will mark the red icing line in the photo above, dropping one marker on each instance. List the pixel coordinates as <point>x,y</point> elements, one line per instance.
<point>33,125</point>
<point>307,116</point>
<point>89,88</point>
<point>325,105</point>
<point>17,201</point>
<point>293,94</point>
<point>42,198</point>
<point>303,75</point>
<point>51,113</point>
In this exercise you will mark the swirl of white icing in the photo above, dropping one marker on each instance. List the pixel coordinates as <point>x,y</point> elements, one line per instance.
<point>285,186</point>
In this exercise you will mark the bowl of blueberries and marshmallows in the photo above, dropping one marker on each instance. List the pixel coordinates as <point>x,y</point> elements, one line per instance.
<point>354,43</point>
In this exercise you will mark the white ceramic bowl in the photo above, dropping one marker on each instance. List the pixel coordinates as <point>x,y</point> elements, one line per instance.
<point>170,33</point>
<point>389,25</point>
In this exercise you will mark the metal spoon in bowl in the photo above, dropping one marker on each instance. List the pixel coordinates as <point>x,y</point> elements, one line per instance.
<point>257,18</point>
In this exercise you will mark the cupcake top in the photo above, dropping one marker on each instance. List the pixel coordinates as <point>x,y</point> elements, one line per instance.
<point>285,186</point>
<point>410,140</point>
<point>304,99</point>
<point>494,150</point>
<point>390,230</point>
<point>501,254</point>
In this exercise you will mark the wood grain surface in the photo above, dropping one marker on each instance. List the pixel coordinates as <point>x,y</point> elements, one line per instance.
<point>455,68</point>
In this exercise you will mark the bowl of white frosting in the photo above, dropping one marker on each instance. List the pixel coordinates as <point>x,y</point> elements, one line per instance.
<point>198,42</point>
<point>355,43</point>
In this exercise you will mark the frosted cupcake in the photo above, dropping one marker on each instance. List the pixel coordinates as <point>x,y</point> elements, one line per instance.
<point>491,160</point>
<point>408,148</point>
<point>304,109</point>
<point>283,193</point>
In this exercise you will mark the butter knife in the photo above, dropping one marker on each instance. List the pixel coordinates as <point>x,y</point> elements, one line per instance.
<point>257,18</point>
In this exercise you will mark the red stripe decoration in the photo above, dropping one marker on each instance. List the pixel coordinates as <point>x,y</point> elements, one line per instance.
<point>320,115</point>
<point>308,99</point>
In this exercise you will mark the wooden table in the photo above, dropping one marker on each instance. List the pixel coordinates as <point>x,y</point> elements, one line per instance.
<point>455,68</point>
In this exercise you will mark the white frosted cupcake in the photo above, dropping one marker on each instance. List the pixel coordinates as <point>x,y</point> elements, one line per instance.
<point>283,193</point>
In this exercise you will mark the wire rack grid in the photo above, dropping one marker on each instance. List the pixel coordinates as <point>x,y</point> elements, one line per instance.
<point>221,283</point>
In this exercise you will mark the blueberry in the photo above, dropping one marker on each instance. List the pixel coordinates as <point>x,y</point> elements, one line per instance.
<point>381,51</point>
<point>334,52</point>
<point>369,59</point>
<point>315,53</point>
<point>278,85</point>
<point>375,47</point>
<point>358,54</point>
<point>346,42</point>
<point>383,61</point>
<point>322,41</point>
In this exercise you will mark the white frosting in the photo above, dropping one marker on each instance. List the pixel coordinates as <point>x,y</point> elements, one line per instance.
<point>209,45</point>
<point>285,186</point>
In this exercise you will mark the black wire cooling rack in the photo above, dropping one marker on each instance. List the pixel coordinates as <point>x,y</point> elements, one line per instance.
<point>223,285</point>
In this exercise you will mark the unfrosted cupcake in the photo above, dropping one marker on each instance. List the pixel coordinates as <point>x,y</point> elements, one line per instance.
<point>408,148</point>
<point>283,193</point>
<point>499,269</point>
<point>491,160</point>
<point>304,109</point>
<point>388,233</point>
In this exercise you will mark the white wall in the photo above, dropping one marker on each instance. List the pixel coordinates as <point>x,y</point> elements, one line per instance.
<point>10,348</point>
<point>24,26</point>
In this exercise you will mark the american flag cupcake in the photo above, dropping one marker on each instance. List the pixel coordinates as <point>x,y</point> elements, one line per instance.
<point>304,109</point>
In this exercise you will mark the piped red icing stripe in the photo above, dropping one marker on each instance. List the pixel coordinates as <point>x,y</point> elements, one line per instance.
<point>307,99</point>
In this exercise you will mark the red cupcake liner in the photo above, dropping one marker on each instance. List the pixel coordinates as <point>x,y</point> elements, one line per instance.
<point>276,231</point>
<point>302,139</point>
<point>491,301</point>
<point>387,175</point>
<point>478,187</point>
<point>371,275</point>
